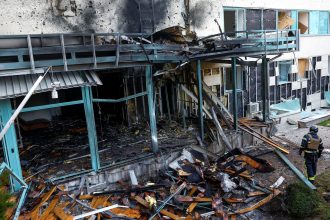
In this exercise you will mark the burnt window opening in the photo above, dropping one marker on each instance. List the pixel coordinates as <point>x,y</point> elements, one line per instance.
<point>229,79</point>
<point>303,67</point>
<point>314,63</point>
<point>303,22</point>
<point>234,20</point>
<point>9,59</point>
<point>42,57</point>
<point>287,20</point>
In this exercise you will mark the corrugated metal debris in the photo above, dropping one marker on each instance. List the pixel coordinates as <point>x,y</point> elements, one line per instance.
<point>19,85</point>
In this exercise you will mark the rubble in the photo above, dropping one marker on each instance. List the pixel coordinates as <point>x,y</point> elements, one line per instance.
<point>188,189</point>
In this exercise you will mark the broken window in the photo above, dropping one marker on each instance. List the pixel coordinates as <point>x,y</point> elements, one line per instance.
<point>229,78</point>
<point>253,19</point>
<point>287,20</point>
<point>284,70</point>
<point>303,22</point>
<point>303,67</point>
<point>230,21</point>
<point>234,20</point>
<point>269,19</point>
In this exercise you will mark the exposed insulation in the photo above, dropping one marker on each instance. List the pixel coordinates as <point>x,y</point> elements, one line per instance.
<point>284,21</point>
<point>303,65</point>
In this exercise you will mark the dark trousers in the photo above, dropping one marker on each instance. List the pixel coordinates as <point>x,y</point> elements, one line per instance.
<point>311,165</point>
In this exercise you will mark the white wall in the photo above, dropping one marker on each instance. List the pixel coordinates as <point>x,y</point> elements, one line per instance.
<point>62,16</point>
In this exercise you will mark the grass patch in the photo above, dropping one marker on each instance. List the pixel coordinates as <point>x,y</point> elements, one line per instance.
<point>325,123</point>
<point>323,187</point>
<point>303,202</point>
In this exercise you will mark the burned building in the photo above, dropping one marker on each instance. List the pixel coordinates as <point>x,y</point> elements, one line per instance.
<point>96,92</point>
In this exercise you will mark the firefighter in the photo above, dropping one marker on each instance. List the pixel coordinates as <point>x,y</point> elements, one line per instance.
<point>312,147</point>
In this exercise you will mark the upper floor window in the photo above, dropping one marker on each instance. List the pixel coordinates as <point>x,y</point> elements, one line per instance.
<point>303,22</point>
<point>287,20</point>
<point>308,22</point>
<point>234,20</point>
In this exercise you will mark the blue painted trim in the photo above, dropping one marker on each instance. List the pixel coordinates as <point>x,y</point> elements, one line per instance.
<point>9,142</point>
<point>91,128</point>
<point>121,99</point>
<point>56,105</point>
<point>151,107</point>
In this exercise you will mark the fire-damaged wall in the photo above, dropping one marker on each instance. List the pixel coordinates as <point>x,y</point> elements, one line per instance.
<point>61,16</point>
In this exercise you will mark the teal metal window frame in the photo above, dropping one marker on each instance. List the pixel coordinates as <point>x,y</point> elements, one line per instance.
<point>280,81</point>
<point>236,17</point>
<point>294,15</point>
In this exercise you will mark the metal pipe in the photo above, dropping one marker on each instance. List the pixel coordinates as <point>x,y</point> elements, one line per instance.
<point>94,53</point>
<point>265,88</point>
<point>21,106</point>
<point>152,116</point>
<point>31,53</point>
<point>63,53</point>
<point>295,170</point>
<point>194,98</point>
<point>200,100</point>
<point>98,211</point>
<point>234,72</point>
<point>121,99</point>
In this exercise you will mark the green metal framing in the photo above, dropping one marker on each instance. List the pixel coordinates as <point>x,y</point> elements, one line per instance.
<point>90,121</point>
<point>234,70</point>
<point>22,186</point>
<point>9,143</point>
<point>265,88</point>
<point>49,106</point>
<point>200,99</point>
<point>121,99</point>
<point>151,107</point>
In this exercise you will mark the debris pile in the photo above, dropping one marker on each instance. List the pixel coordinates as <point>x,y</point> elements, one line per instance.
<point>63,147</point>
<point>194,186</point>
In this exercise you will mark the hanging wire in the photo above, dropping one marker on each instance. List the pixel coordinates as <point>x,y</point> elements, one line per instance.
<point>99,112</point>
<point>18,127</point>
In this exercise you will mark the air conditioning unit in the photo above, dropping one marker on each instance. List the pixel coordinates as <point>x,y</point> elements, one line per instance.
<point>252,108</point>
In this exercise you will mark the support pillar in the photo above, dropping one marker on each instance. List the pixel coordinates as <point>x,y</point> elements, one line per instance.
<point>265,89</point>
<point>9,143</point>
<point>151,107</point>
<point>91,128</point>
<point>234,72</point>
<point>200,100</point>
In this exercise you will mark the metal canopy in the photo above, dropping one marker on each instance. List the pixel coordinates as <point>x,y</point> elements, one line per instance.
<point>19,85</point>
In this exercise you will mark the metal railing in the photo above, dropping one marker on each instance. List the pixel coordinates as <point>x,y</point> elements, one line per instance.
<point>94,51</point>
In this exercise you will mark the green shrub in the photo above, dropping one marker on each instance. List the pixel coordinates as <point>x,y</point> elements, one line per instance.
<point>4,195</point>
<point>302,201</point>
<point>4,204</point>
